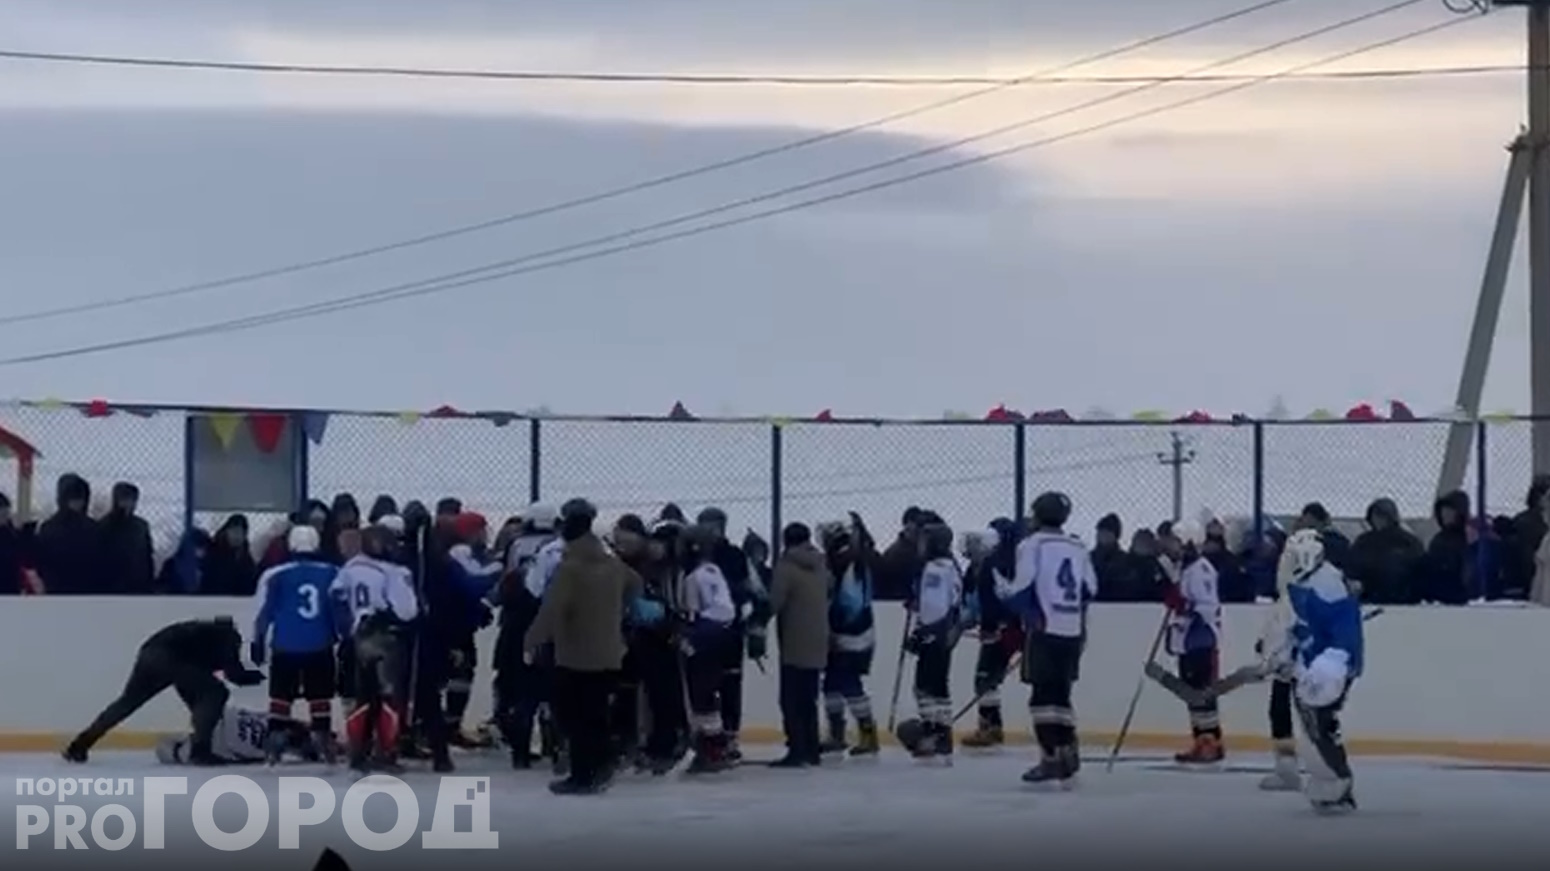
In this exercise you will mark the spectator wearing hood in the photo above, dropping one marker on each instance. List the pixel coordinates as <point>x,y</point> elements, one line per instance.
<point>343,515</point>
<point>128,554</point>
<point>68,548</point>
<point>1146,581</point>
<point>182,573</point>
<point>1110,561</point>
<point>1386,559</point>
<point>382,506</point>
<point>1522,540</point>
<point>228,568</point>
<point>1261,559</point>
<point>1233,584</point>
<point>1448,574</point>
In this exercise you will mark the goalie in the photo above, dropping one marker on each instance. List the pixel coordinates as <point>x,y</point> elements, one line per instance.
<point>240,738</point>
<point>1323,649</point>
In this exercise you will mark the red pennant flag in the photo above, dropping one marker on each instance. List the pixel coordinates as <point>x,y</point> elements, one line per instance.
<point>97,408</point>
<point>445,411</point>
<point>1000,414</point>
<point>1400,411</point>
<point>679,412</point>
<point>1053,415</point>
<point>1363,412</point>
<point>266,430</point>
<point>1195,417</point>
<point>825,416</point>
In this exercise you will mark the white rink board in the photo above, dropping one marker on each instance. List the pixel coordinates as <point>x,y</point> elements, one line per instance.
<point>1444,675</point>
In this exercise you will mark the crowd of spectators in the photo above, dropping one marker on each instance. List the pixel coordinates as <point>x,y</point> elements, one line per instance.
<point>109,550</point>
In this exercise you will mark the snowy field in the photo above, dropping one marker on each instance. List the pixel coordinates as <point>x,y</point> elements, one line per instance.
<point>893,813</point>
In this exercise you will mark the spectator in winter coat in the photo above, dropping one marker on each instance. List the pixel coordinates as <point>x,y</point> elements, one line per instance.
<point>1261,559</point>
<point>1447,569</point>
<point>68,547</point>
<point>901,563</point>
<point>382,506</point>
<point>128,554</point>
<point>1523,538</point>
<point>1110,560</point>
<point>1232,584</point>
<point>228,568</point>
<point>181,572</point>
<point>1386,559</point>
<point>1336,546</point>
<point>12,553</point>
<point>1146,581</point>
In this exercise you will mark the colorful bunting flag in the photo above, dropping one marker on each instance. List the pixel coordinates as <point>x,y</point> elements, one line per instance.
<point>825,416</point>
<point>267,430</point>
<point>97,408</point>
<point>1149,416</point>
<point>445,411</point>
<point>1362,412</point>
<point>1053,415</point>
<point>1321,414</point>
<point>957,415</point>
<point>224,424</point>
<point>408,418</point>
<point>1400,411</point>
<point>1500,416</point>
<point>138,411</point>
<point>679,412</point>
<point>1278,410</point>
<point>51,404</point>
<point>314,424</point>
<point>499,418</point>
<point>1096,413</point>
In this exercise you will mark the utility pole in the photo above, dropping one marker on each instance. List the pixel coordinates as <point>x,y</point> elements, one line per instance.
<point>1528,176</point>
<point>1180,456</point>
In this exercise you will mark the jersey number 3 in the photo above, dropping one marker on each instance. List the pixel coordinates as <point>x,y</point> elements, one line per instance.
<point>1065,579</point>
<point>307,608</point>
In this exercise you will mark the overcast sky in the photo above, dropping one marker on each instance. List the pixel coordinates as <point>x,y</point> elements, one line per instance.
<point>1321,241</point>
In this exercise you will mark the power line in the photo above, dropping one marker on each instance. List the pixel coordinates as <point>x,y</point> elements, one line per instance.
<point>455,281</point>
<point>706,79</point>
<point>628,189</point>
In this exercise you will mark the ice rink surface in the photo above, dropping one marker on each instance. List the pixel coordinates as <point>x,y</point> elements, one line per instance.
<point>887,814</point>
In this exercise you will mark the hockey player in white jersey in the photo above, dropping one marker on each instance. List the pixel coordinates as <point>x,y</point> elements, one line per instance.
<point>1195,635</point>
<point>1053,585</point>
<point>1276,662</point>
<point>707,615</point>
<point>938,625</point>
<point>1327,644</point>
<point>242,737</point>
<point>517,690</point>
<point>375,601</point>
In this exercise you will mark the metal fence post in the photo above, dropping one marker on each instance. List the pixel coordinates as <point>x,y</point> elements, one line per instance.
<point>189,422</point>
<point>1259,482</point>
<point>776,455</point>
<point>301,458</point>
<point>1481,511</point>
<point>1020,472</point>
<point>535,460</point>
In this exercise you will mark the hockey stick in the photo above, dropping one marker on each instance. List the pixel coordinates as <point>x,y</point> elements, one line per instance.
<point>1135,698</point>
<point>1242,677</point>
<point>898,671</point>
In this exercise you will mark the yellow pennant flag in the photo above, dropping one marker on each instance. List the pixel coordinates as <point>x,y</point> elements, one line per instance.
<point>408,418</point>
<point>1149,416</point>
<point>1500,416</point>
<point>1321,414</point>
<point>224,424</point>
<point>51,404</point>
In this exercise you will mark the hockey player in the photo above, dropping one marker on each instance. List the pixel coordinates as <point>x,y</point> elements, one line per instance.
<point>1274,650</point>
<point>1000,634</point>
<point>1328,651</point>
<point>740,581</point>
<point>184,656</point>
<point>938,600</point>
<point>654,648</point>
<point>244,737</point>
<point>519,690</point>
<point>375,603</point>
<point>1049,592</point>
<point>294,608</point>
<point>707,625</point>
<point>852,636</point>
<point>461,610</point>
<point>1194,635</point>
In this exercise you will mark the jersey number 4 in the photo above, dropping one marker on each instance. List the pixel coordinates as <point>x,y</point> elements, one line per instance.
<point>1065,579</point>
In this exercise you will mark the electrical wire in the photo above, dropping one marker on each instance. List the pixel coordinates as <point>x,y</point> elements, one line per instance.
<point>719,79</point>
<point>448,283</point>
<point>627,189</point>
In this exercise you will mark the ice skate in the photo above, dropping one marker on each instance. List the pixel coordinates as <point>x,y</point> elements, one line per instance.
<point>1048,772</point>
<point>709,757</point>
<point>867,745</point>
<point>836,742</point>
<point>1285,777</point>
<point>274,748</point>
<point>988,735</point>
<point>1206,752</point>
<point>1331,798</point>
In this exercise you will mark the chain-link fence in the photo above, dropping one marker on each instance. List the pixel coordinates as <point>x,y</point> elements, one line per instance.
<point>764,473</point>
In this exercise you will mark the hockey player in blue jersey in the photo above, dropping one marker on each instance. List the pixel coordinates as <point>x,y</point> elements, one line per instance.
<point>296,624</point>
<point>852,636</point>
<point>1325,649</point>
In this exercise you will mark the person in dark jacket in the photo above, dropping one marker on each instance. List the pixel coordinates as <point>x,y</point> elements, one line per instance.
<point>901,563</point>
<point>1146,581</point>
<point>1521,540</point>
<point>184,656</point>
<point>13,558</point>
<point>1232,583</point>
<point>1336,546</point>
<point>799,601</point>
<point>182,573</point>
<point>344,515</point>
<point>128,554</point>
<point>228,568</point>
<point>1001,632</point>
<point>1386,559</point>
<point>1448,554</point>
<point>1110,561</point>
<point>68,550</point>
<point>382,506</point>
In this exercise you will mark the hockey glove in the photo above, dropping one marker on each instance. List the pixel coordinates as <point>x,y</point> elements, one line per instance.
<point>256,651</point>
<point>758,644</point>
<point>1321,682</point>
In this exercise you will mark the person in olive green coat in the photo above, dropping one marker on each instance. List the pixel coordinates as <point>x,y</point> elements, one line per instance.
<point>799,603</point>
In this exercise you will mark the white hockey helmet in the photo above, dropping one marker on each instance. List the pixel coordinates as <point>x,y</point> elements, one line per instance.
<point>1305,552</point>
<point>303,539</point>
<point>541,516</point>
<point>1189,532</point>
<point>392,523</point>
<point>977,542</point>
